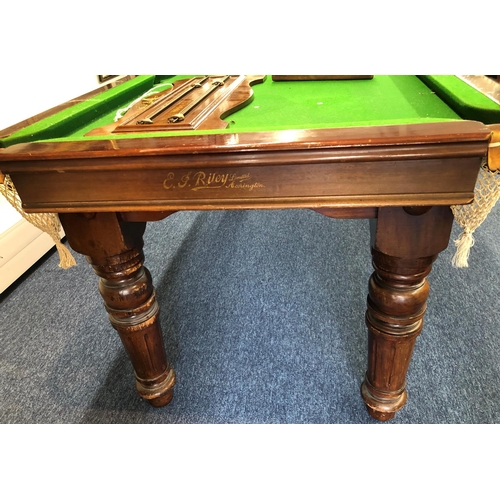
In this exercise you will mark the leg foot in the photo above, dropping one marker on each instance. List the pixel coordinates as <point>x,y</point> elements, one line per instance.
<point>378,415</point>
<point>157,392</point>
<point>382,406</point>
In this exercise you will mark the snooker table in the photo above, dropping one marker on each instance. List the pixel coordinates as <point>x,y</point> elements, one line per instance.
<point>398,150</point>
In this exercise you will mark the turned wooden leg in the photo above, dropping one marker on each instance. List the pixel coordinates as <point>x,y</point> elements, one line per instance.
<point>114,249</point>
<point>405,243</point>
<point>396,307</point>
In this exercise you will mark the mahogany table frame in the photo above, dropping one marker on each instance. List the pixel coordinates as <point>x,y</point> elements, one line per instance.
<point>403,177</point>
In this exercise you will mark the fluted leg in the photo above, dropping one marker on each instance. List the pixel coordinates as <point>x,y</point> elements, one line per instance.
<point>396,307</point>
<point>404,246</point>
<point>114,249</point>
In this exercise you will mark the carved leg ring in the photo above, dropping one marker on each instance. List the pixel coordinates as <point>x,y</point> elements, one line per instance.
<point>396,306</point>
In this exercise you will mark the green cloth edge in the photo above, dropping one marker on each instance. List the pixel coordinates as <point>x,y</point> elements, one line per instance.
<point>468,102</point>
<point>63,122</point>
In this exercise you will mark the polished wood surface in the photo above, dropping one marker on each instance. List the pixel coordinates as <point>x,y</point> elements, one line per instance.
<point>432,164</point>
<point>494,148</point>
<point>198,103</point>
<point>402,177</point>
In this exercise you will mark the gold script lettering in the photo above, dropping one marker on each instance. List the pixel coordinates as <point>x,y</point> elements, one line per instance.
<point>166,182</point>
<point>184,181</point>
<point>211,180</point>
<point>199,178</point>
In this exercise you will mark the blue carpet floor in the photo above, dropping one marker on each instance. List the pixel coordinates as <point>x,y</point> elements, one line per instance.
<point>263,320</point>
